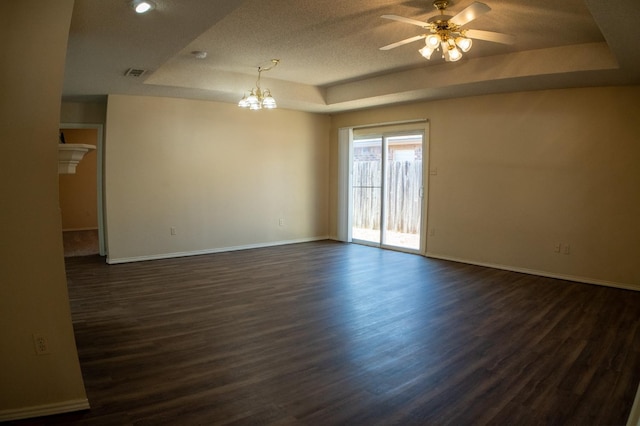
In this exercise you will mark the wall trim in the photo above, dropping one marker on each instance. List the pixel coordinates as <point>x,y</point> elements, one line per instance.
<point>634,415</point>
<point>44,410</point>
<point>584,280</point>
<point>566,277</point>
<point>113,261</point>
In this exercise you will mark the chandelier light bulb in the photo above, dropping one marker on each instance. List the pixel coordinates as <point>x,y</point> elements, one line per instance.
<point>252,99</point>
<point>268,102</point>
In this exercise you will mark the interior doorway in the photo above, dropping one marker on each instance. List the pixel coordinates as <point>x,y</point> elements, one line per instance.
<point>387,190</point>
<point>80,194</point>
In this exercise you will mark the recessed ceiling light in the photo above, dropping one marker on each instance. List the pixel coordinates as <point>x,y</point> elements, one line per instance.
<point>143,6</point>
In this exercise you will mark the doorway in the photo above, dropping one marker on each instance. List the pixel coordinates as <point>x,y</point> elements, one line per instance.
<point>387,190</point>
<point>80,194</point>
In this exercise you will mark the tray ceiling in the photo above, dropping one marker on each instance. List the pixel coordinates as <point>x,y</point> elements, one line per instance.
<point>329,50</point>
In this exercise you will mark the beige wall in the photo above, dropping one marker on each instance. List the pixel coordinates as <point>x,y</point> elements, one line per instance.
<point>223,177</point>
<point>83,112</point>
<point>33,290</point>
<point>78,191</point>
<point>518,173</point>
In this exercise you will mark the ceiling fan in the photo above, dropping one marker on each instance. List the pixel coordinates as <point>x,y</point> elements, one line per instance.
<point>446,32</point>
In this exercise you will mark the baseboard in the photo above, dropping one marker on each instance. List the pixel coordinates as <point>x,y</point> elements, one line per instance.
<point>634,415</point>
<point>113,261</point>
<point>44,410</point>
<point>585,280</point>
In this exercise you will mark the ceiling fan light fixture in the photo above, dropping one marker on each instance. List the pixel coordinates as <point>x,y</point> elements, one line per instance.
<point>433,41</point>
<point>464,43</point>
<point>446,33</point>
<point>454,54</point>
<point>426,52</point>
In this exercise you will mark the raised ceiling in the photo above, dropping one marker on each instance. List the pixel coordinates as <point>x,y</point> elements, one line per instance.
<point>329,50</point>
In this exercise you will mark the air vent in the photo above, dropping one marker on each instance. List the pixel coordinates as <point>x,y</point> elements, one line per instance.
<point>134,72</point>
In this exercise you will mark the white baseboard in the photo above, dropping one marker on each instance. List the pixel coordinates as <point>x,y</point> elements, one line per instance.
<point>585,280</point>
<point>113,261</point>
<point>44,410</point>
<point>634,415</point>
<point>566,277</point>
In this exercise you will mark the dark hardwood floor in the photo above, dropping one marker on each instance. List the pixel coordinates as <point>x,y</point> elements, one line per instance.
<point>326,333</point>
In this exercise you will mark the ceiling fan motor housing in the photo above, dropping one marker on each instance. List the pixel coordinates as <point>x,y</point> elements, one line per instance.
<point>441,5</point>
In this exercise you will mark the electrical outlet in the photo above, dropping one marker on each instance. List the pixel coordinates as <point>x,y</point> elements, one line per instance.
<point>567,249</point>
<point>41,344</point>
<point>173,230</point>
<point>281,222</point>
<point>557,247</point>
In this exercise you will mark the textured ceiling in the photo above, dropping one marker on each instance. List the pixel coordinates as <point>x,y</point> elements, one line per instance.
<point>329,50</point>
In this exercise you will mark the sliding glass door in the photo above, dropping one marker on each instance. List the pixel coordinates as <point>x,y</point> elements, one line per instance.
<point>387,190</point>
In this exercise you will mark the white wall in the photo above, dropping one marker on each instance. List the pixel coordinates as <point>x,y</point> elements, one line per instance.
<point>33,287</point>
<point>223,177</point>
<point>518,173</point>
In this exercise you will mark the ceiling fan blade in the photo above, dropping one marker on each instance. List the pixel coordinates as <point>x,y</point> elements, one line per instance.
<point>402,42</point>
<point>406,20</point>
<point>470,13</point>
<point>491,36</point>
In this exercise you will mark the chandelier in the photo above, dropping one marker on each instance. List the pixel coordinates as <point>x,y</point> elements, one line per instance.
<point>258,98</point>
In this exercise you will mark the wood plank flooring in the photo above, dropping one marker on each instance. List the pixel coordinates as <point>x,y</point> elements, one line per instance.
<point>326,333</point>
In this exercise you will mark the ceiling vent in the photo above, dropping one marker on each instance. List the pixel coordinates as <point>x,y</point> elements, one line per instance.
<point>134,72</point>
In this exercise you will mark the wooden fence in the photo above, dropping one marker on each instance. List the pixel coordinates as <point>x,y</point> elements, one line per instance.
<point>403,202</point>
